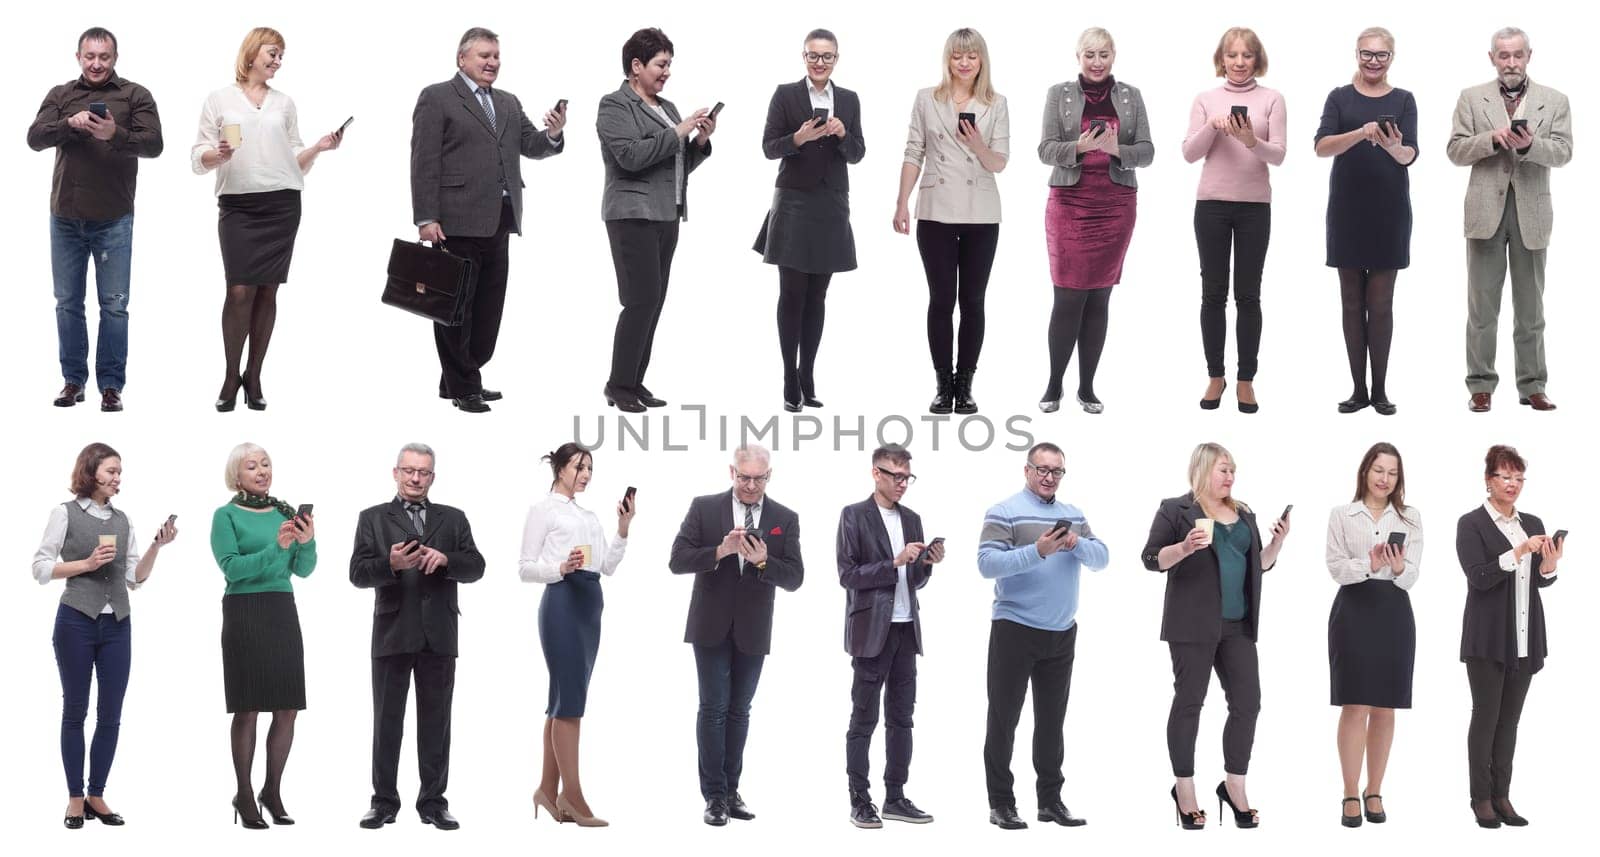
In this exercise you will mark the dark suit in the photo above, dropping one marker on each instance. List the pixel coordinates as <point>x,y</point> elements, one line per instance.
<point>414,620</point>
<point>466,175</point>
<point>1499,680</point>
<point>730,624</point>
<point>819,163</point>
<point>884,652</point>
<point>1201,641</point>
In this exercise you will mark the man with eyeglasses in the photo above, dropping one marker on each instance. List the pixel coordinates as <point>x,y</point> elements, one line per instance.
<point>741,546</point>
<point>411,552</point>
<point>1033,547</point>
<point>1511,131</point>
<point>883,561</point>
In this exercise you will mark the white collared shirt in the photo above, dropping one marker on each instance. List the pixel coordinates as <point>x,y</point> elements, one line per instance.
<point>55,535</point>
<point>823,99</point>
<point>1512,529</point>
<point>897,543</point>
<point>269,142</point>
<point>1352,532</point>
<point>554,527</point>
<point>738,517</point>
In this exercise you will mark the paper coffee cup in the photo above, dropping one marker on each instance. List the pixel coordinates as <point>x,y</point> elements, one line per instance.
<point>230,132</point>
<point>108,540</point>
<point>588,555</point>
<point>1206,524</point>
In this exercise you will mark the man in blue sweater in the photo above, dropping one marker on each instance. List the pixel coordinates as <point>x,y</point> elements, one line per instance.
<point>1032,547</point>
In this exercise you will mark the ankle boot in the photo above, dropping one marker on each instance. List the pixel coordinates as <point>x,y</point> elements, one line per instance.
<point>944,397</point>
<point>962,384</point>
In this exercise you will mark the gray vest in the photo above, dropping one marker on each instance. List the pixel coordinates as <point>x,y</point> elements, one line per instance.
<point>89,593</point>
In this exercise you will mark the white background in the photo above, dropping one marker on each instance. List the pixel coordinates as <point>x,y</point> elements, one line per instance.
<point>350,381</point>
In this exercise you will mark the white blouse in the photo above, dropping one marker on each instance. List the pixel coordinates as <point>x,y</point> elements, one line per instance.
<point>555,526</point>
<point>1351,534</point>
<point>1512,529</point>
<point>269,142</point>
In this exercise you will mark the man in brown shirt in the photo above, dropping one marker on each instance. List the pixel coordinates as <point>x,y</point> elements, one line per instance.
<point>100,125</point>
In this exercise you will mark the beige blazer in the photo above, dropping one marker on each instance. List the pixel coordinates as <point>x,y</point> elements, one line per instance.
<point>1479,111</point>
<point>955,188</point>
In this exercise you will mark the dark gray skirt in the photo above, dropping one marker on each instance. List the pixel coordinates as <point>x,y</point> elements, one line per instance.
<point>257,233</point>
<point>263,657</point>
<point>569,633</point>
<point>1372,645</point>
<point>809,231</point>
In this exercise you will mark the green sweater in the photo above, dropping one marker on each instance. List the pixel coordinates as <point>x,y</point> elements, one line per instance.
<point>245,543</point>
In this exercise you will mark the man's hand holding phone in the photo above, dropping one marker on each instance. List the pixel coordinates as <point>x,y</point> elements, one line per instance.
<point>1059,537</point>
<point>753,548</point>
<point>731,543</point>
<point>405,555</point>
<point>909,553</point>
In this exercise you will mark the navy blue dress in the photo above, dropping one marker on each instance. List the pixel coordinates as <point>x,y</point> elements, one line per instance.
<point>1369,194</point>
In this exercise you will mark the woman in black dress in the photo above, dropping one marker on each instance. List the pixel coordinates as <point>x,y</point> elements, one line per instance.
<point>1369,128</point>
<point>815,128</point>
<point>1374,554</point>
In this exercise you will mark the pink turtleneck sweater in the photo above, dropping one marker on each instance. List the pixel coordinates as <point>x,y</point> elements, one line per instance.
<point>1234,172</point>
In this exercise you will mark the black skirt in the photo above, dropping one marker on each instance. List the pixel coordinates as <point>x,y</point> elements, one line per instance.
<point>1372,645</point>
<point>809,231</point>
<point>569,633</point>
<point>257,233</point>
<point>263,657</point>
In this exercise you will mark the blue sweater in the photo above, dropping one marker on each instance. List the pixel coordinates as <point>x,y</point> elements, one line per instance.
<point>1039,592</point>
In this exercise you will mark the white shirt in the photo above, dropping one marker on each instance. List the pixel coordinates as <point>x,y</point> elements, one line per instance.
<point>1351,534</point>
<point>1511,528</point>
<point>555,526</point>
<point>55,535</point>
<point>269,142</point>
<point>738,517</point>
<point>897,543</point>
<point>821,99</point>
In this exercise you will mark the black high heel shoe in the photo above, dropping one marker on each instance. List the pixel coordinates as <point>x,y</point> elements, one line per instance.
<point>1213,404</point>
<point>623,400</point>
<point>1490,821</point>
<point>254,403</point>
<point>1188,820</point>
<point>279,815</point>
<point>226,404</point>
<point>1245,819</point>
<point>109,819</point>
<point>793,400</point>
<point>1350,820</point>
<point>257,823</point>
<point>1378,817</point>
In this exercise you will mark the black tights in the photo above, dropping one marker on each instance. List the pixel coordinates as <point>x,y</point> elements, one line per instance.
<point>1080,318</point>
<point>801,308</point>
<point>280,738</point>
<point>248,312</point>
<point>1368,299</point>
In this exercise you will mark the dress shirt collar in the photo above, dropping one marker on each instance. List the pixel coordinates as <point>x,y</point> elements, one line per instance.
<point>112,82</point>
<point>1360,508</point>
<point>740,505</point>
<point>472,85</point>
<point>404,502</point>
<point>825,92</point>
<point>1494,514</point>
<point>1048,501</point>
<point>562,498</point>
<point>85,502</point>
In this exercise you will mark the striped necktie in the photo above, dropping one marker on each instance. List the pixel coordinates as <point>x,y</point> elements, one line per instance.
<point>488,106</point>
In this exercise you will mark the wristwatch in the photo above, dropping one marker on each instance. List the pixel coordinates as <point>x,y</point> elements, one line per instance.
<point>761,566</point>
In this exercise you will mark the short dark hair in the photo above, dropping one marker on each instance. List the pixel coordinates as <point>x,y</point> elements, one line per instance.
<point>563,455</point>
<point>1500,456</point>
<point>643,46</point>
<point>894,453</point>
<point>99,33</point>
<point>825,35</point>
<point>87,467</point>
<point>1045,446</point>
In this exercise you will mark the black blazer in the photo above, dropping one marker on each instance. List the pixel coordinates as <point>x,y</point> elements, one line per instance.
<point>725,600</point>
<point>1192,611</point>
<point>869,576</point>
<point>819,162</point>
<point>1489,622</point>
<point>413,612</point>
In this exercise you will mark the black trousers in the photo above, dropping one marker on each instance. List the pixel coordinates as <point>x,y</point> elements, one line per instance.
<point>957,258</point>
<point>1020,655</point>
<point>1234,659</point>
<point>436,683</point>
<point>465,350</point>
<point>1497,697</point>
<point>1240,230</point>
<point>894,668</point>
<point>641,252</point>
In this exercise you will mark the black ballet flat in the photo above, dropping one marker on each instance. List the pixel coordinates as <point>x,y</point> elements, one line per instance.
<point>1353,404</point>
<point>1213,404</point>
<point>73,822</point>
<point>1384,407</point>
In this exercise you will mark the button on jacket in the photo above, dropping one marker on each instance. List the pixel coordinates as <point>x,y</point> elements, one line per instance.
<point>955,187</point>
<point>1063,123</point>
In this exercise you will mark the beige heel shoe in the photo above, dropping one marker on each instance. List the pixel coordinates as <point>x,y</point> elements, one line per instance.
<point>582,820</point>
<point>555,813</point>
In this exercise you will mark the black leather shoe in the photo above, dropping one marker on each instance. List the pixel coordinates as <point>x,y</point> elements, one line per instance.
<point>440,818</point>
<point>1057,812</point>
<point>1345,818</point>
<point>647,399</point>
<point>110,400</point>
<point>737,808</point>
<point>257,402</point>
<point>110,819</point>
<point>1353,404</point>
<point>716,813</point>
<point>70,395</point>
<point>73,822</point>
<point>944,396</point>
<point>962,388</point>
<point>473,404</point>
<point>491,395</point>
<point>1006,818</point>
<point>623,399</point>
<point>279,815</point>
<point>902,809</point>
<point>863,814</point>
<point>1378,817</point>
<point>1484,814</point>
<point>1502,810</point>
<point>1384,407</point>
<point>1213,404</point>
<point>376,818</point>
<point>257,823</point>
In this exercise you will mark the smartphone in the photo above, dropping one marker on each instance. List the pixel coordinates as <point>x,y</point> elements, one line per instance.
<point>752,535</point>
<point>561,106</point>
<point>627,498</point>
<point>1062,524</point>
<point>1097,126</point>
<point>345,125</point>
<point>304,511</point>
<point>969,118</point>
<point>1516,124</point>
<point>1397,538</point>
<point>172,519</point>
<point>98,108</point>
<point>1241,111</point>
<point>1386,123</point>
<point>715,110</point>
<point>1286,510</point>
<point>1559,537</point>
<point>819,116</point>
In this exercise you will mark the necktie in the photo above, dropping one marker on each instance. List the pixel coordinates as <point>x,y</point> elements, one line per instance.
<point>749,516</point>
<point>488,106</point>
<point>415,510</point>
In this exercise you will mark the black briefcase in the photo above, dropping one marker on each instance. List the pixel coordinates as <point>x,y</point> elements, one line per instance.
<point>430,282</point>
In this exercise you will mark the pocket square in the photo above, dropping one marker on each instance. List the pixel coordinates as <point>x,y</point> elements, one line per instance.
<point>775,531</point>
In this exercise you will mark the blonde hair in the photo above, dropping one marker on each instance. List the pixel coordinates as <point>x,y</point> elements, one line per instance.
<point>1252,43</point>
<point>1095,36</point>
<point>1375,33</point>
<point>1201,462</point>
<point>230,476</point>
<point>252,44</point>
<point>967,40</point>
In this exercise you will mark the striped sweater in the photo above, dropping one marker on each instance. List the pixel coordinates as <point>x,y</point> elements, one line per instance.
<point>1039,592</point>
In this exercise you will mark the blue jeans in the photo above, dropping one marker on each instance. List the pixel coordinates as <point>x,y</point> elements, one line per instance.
<point>728,680</point>
<point>110,242</point>
<point>86,648</point>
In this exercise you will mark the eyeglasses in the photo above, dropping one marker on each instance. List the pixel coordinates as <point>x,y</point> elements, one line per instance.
<point>1378,56</point>
<point>1511,479</point>
<point>409,472</point>
<point>825,59</point>
<point>753,480</point>
<point>1049,472</point>
<point>899,478</point>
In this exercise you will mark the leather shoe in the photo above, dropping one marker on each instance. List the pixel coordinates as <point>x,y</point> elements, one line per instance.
<point>473,404</point>
<point>1479,403</point>
<point>863,814</point>
<point>1057,812</point>
<point>1384,407</point>
<point>377,818</point>
<point>70,395</point>
<point>1006,818</point>
<point>737,808</point>
<point>1353,404</point>
<point>73,822</point>
<point>650,401</point>
<point>107,818</point>
<point>491,395</point>
<point>440,818</point>
<point>902,809</point>
<point>623,399</point>
<point>110,399</point>
<point>716,813</point>
<point>1539,402</point>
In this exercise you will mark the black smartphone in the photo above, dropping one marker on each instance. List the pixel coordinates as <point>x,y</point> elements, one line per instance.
<point>819,116</point>
<point>1097,126</point>
<point>1516,124</point>
<point>1286,510</point>
<point>1559,537</point>
<point>1059,526</point>
<point>627,498</point>
<point>969,118</point>
<point>752,535</point>
<point>561,106</point>
<point>717,108</point>
<point>1386,123</point>
<point>345,125</point>
<point>98,108</point>
<point>173,519</point>
<point>304,511</point>
<point>1397,538</point>
<point>1241,111</point>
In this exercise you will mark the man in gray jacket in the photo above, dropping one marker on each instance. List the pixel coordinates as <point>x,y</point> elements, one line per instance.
<point>1511,131</point>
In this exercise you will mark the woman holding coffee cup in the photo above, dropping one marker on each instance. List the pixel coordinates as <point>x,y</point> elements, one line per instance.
<point>1208,545</point>
<point>261,544</point>
<point>91,546</point>
<point>250,134</point>
<point>564,547</point>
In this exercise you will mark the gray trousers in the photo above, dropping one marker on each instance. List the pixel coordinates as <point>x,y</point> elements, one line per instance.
<point>1486,276</point>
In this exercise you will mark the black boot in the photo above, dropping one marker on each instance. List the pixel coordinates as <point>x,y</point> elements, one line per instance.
<point>963,392</point>
<point>944,399</point>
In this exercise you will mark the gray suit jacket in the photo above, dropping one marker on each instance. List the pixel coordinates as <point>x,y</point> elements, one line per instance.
<point>1479,111</point>
<point>459,165</point>
<point>1063,119</point>
<point>640,155</point>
